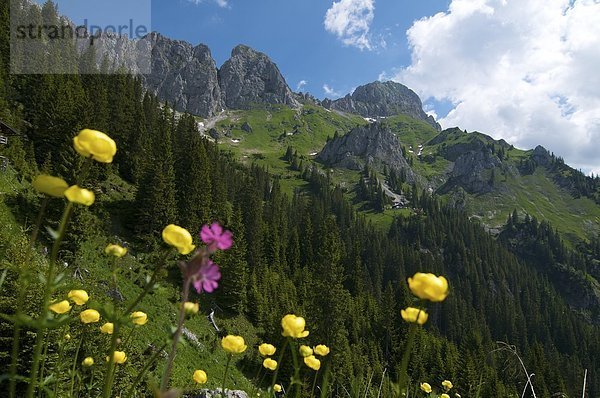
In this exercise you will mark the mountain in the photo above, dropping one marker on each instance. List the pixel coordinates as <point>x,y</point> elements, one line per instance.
<point>250,77</point>
<point>382,99</point>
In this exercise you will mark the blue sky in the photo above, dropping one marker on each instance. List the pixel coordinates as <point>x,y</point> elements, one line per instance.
<point>522,70</point>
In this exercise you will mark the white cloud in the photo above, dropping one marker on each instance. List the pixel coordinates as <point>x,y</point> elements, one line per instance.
<point>220,3</point>
<point>330,92</point>
<point>523,70</point>
<point>350,21</point>
<point>301,85</point>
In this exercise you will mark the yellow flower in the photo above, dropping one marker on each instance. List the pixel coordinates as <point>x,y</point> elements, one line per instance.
<point>81,196</point>
<point>270,364</point>
<point>79,297</point>
<point>179,238</point>
<point>89,361</point>
<point>293,326</point>
<point>277,388</point>
<point>191,308</point>
<point>89,316</point>
<point>447,384</point>
<point>444,396</point>
<point>115,250</point>
<point>61,307</point>
<point>139,318</point>
<point>305,351</point>
<point>51,186</point>
<point>414,315</point>
<point>312,362</point>
<point>426,387</point>
<point>95,144</point>
<point>233,344</point>
<point>266,349</point>
<point>200,376</point>
<point>67,337</point>
<point>428,286</point>
<point>322,350</point>
<point>118,357</point>
<point>107,328</point>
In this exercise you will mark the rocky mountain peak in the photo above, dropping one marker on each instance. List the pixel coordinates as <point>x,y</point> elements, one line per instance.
<point>383,99</point>
<point>373,144</point>
<point>250,77</point>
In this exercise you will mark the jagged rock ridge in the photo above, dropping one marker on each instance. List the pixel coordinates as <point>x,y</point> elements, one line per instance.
<point>374,144</point>
<point>382,99</point>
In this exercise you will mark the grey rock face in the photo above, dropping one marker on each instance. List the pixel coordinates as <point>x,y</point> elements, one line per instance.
<point>184,76</point>
<point>382,99</point>
<point>217,393</point>
<point>250,77</point>
<point>374,144</point>
<point>468,172</point>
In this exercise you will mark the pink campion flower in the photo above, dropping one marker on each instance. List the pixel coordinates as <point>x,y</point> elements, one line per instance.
<point>207,277</point>
<point>215,237</point>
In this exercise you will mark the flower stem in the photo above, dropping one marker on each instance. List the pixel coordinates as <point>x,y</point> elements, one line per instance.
<point>412,330</point>
<point>75,361</point>
<point>225,376</point>
<point>184,297</point>
<point>312,391</point>
<point>110,364</point>
<point>48,288</point>
<point>285,344</point>
<point>296,379</point>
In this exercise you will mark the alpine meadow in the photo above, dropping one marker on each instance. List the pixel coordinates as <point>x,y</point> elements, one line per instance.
<point>196,230</point>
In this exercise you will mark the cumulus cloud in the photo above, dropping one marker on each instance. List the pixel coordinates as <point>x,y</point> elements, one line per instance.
<point>301,84</point>
<point>330,92</point>
<point>350,21</point>
<point>523,70</point>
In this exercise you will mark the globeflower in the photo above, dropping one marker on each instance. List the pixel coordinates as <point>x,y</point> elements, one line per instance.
<point>118,357</point>
<point>428,286</point>
<point>51,186</point>
<point>191,308</point>
<point>444,396</point>
<point>200,376</point>
<point>322,350</point>
<point>207,277</point>
<point>95,144</point>
<point>179,238</point>
<point>115,250</point>
<point>81,196</point>
<point>233,344</point>
<point>293,326</point>
<point>266,349</point>
<point>61,307</point>
<point>305,351</point>
<point>89,316</point>
<point>89,361</point>
<point>312,362</point>
<point>79,297</point>
<point>107,328</point>
<point>426,387</point>
<point>414,315</point>
<point>270,364</point>
<point>447,384</point>
<point>139,318</point>
<point>277,388</point>
<point>215,237</point>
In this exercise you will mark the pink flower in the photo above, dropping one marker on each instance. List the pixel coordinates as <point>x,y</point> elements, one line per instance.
<point>215,237</point>
<point>207,277</point>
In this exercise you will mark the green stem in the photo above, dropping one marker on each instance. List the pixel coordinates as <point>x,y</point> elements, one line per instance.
<point>149,285</point>
<point>48,288</point>
<point>405,358</point>
<point>225,375</point>
<point>312,391</point>
<point>145,370</point>
<point>296,379</point>
<point>20,299</point>
<point>285,344</point>
<point>110,364</point>
<point>184,297</point>
<point>75,365</point>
